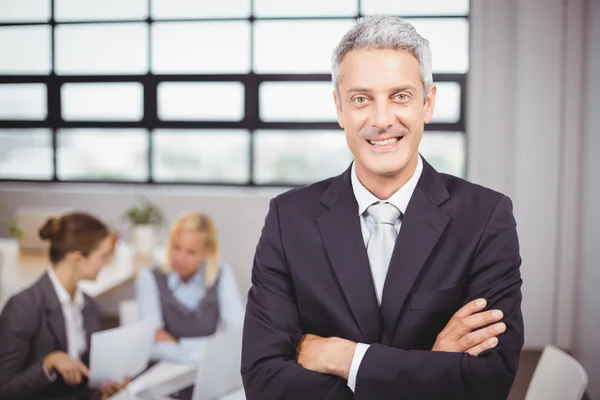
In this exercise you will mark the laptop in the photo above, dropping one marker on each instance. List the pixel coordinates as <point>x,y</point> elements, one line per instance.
<point>218,373</point>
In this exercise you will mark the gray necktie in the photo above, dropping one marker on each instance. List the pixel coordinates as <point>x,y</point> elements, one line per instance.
<point>381,244</point>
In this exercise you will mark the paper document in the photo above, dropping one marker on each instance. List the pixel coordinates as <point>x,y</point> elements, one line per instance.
<point>120,352</point>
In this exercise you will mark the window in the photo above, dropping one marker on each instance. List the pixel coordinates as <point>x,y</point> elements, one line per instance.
<point>175,92</point>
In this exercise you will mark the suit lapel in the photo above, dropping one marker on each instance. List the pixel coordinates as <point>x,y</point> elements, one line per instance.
<point>422,227</point>
<point>54,314</point>
<point>90,320</point>
<point>341,234</point>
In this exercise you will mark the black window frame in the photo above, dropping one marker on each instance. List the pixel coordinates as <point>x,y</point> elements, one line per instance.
<point>150,121</point>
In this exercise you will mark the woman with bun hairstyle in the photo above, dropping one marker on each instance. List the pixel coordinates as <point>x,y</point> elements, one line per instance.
<point>192,294</point>
<point>45,329</point>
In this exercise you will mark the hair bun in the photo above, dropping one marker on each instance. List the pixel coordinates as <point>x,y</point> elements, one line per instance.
<point>51,229</point>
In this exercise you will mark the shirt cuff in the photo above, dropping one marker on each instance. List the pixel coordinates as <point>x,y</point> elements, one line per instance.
<point>50,375</point>
<point>359,353</point>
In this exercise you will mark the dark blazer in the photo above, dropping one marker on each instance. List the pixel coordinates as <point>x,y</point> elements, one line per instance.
<point>458,242</point>
<point>32,326</point>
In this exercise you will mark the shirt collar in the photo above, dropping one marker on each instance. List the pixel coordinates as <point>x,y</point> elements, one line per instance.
<point>400,199</point>
<point>174,280</point>
<point>63,296</point>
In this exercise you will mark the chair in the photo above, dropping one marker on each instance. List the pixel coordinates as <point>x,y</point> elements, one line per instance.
<point>558,376</point>
<point>128,312</point>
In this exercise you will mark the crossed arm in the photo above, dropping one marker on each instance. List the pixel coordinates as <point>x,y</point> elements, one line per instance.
<point>280,362</point>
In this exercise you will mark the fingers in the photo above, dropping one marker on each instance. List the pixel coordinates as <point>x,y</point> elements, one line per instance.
<point>486,345</point>
<point>481,335</point>
<point>83,370</point>
<point>112,388</point>
<point>465,311</point>
<point>73,372</point>
<point>468,324</point>
<point>72,377</point>
<point>470,308</point>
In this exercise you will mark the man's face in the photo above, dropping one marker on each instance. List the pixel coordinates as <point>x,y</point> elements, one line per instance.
<point>383,109</point>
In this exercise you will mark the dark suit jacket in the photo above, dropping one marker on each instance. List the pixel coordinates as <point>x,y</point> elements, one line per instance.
<point>32,326</point>
<point>458,242</point>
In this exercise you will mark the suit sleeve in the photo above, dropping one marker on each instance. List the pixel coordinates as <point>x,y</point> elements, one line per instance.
<point>390,373</point>
<point>272,330</point>
<point>17,377</point>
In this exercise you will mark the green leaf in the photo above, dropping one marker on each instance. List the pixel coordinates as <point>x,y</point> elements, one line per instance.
<point>144,212</point>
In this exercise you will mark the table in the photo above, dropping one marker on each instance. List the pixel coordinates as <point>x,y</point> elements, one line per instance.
<point>166,377</point>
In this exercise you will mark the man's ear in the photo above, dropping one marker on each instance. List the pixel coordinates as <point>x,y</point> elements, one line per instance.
<point>338,108</point>
<point>429,104</point>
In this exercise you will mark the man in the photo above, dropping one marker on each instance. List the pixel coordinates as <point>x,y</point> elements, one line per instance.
<point>390,281</point>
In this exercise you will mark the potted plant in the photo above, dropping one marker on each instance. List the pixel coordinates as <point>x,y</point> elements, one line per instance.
<point>11,225</point>
<point>146,219</point>
<point>12,228</point>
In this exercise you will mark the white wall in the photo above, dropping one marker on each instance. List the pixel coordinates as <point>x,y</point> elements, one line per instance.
<point>524,136</point>
<point>587,332</point>
<point>525,133</point>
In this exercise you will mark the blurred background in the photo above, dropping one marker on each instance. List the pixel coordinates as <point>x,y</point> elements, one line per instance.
<point>218,106</point>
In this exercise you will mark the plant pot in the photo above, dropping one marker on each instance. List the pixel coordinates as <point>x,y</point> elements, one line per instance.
<point>9,252</point>
<point>145,238</point>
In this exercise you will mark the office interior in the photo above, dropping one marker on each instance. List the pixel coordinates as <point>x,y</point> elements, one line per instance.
<point>218,107</point>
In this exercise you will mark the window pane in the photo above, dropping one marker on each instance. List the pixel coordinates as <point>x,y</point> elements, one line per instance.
<point>102,101</point>
<point>306,8</point>
<point>24,10</point>
<point>103,154</point>
<point>449,42</point>
<point>94,10</point>
<point>171,9</point>
<point>447,102</point>
<point>312,43</point>
<point>25,50</point>
<point>299,157</point>
<point>211,101</point>
<point>445,151</point>
<point>24,101</point>
<point>297,101</point>
<point>120,48</point>
<point>25,154</point>
<point>411,7</point>
<point>201,47</point>
<point>201,156</point>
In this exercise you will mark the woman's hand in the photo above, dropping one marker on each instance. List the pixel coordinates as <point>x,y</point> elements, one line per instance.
<point>164,336</point>
<point>70,369</point>
<point>107,390</point>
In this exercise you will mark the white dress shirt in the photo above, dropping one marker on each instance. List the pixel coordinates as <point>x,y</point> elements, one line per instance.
<point>72,313</point>
<point>364,198</point>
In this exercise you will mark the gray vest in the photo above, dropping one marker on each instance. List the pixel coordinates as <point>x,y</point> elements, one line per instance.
<point>179,320</point>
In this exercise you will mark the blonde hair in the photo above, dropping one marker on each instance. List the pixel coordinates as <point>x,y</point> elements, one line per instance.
<point>197,222</point>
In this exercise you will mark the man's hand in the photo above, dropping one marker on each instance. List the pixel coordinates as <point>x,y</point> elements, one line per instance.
<point>460,335</point>
<point>108,390</point>
<point>164,336</point>
<point>326,355</point>
<point>70,369</point>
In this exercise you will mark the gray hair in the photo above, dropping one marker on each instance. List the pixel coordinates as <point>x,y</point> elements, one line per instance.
<point>384,32</point>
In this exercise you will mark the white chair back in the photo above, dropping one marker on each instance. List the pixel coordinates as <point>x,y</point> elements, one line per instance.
<point>558,376</point>
<point>128,312</point>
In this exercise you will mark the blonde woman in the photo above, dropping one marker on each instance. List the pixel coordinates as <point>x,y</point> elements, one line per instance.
<point>191,294</point>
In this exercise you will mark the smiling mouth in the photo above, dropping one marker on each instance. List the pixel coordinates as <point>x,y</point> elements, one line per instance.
<point>385,142</point>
